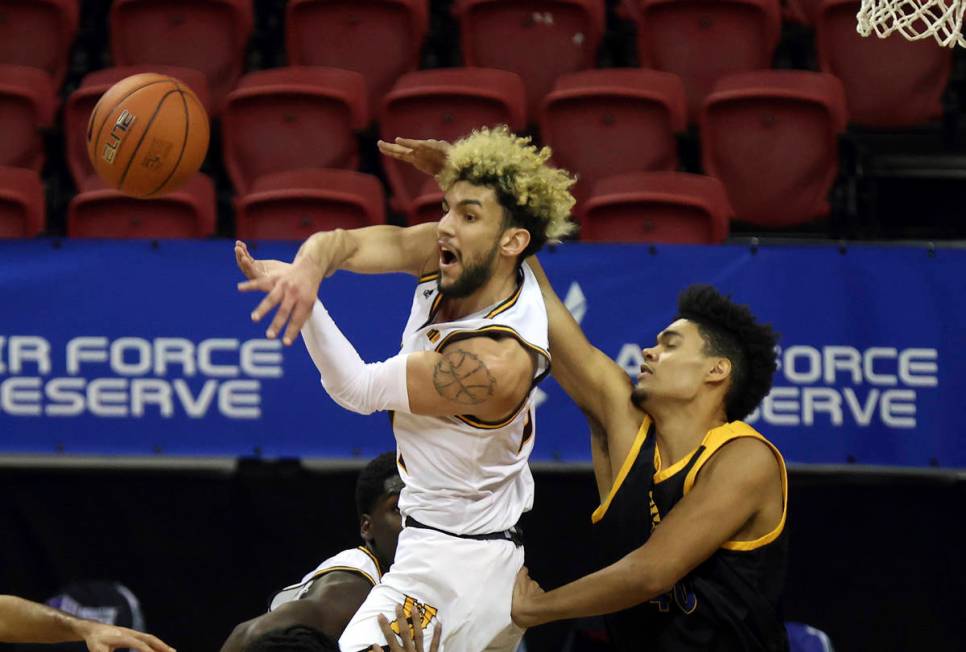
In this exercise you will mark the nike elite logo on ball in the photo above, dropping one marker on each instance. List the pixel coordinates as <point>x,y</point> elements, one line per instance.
<point>121,126</point>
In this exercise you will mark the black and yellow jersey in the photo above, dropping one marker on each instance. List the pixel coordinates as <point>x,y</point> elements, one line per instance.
<point>731,600</point>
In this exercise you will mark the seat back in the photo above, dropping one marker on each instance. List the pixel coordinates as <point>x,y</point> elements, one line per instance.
<point>295,204</point>
<point>100,212</point>
<point>445,104</point>
<point>538,40</point>
<point>344,34</point>
<point>772,138</point>
<point>22,205</point>
<point>601,123</point>
<point>888,82</point>
<point>703,40</point>
<point>291,118</point>
<point>208,35</point>
<point>27,103</point>
<point>666,207</point>
<point>39,34</point>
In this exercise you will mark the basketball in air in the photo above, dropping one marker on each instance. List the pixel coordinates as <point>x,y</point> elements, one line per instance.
<point>147,135</point>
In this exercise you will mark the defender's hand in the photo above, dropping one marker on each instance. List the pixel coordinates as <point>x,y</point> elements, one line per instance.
<point>106,638</point>
<point>525,590</point>
<point>427,156</point>
<point>294,290</point>
<point>253,268</point>
<point>412,641</point>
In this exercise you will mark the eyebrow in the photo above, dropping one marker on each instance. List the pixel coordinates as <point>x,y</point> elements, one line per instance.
<point>465,202</point>
<point>668,334</point>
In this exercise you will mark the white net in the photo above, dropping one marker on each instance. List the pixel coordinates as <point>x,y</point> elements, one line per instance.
<point>914,19</point>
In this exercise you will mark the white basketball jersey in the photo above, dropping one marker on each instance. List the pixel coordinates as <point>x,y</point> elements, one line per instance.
<point>462,474</point>
<point>354,560</point>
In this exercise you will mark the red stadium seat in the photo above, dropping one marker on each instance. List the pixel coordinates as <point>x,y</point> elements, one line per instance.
<point>669,207</point>
<point>81,103</point>
<point>101,212</point>
<point>21,203</point>
<point>703,40</point>
<point>27,105</point>
<point>772,138</point>
<point>888,82</point>
<point>292,118</point>
<point>208,35</point>
<point>428,206</point>
<point>295,204</point>
<point>804,12</point>
<point>445,104</point>
<point>539,40</point>
<point>39,33</point>
<point>381,39</point>
<point>601,123</point>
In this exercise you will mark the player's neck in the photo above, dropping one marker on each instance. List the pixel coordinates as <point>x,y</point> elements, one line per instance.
<point>498,287</point>
<point>680,427</point>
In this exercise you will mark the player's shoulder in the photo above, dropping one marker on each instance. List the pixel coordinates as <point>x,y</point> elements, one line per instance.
<point>357,561</point>
<point>740,452</point>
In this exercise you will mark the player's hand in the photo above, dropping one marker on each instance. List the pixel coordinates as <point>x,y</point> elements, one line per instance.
<point>412,640</point>
<point>525,591</point>
<point>106,638</point>
<point>427,156</point>
<point>293,289</point>
<point>252,268</point>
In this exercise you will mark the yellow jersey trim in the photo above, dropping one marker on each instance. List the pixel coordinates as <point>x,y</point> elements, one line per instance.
<point>469,419</point>
<point>426,278</point>
<point>625,469</point>
<point>506,304</point>
<point>713,442</point>
<point>344,569</point>
<point>462,334</point>
<point>375,560</point>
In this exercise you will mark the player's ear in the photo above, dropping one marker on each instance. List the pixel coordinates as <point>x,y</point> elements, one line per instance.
<point>365,525</point>
<point>720,370</point>
<point>514,241</point>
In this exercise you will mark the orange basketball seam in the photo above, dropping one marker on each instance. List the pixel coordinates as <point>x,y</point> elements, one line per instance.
<point>144,134</point>
<point>100,129</point>
<point>184,141</point>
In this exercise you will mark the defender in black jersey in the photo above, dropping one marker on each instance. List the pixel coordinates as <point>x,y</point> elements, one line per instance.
<point>693,501</point>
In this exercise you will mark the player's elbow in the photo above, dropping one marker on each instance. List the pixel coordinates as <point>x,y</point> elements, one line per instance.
<point>651,579</point>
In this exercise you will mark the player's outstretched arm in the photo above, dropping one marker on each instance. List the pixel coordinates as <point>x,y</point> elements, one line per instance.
<point>597,384</point>
<point>733,488</point>
<point>480,376</point>
<point>23,621</point>
<point>371,250</point>
<point>327,607</point>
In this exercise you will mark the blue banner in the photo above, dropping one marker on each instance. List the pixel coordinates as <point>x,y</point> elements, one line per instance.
<point>139,348</point>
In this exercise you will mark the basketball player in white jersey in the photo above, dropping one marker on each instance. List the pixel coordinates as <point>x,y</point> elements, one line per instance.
<point>474,347</point>
<point>327,597</point>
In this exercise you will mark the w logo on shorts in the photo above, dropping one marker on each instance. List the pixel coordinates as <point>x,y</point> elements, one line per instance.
<point>413,608</point>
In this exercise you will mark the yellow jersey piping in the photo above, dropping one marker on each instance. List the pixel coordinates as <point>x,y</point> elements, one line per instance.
<point>739,430</point>
<point>344,569</point>
<point>375,560</point>
<point>625,469</point>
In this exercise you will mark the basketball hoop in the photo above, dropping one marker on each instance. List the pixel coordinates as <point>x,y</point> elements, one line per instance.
<point>914,19</point>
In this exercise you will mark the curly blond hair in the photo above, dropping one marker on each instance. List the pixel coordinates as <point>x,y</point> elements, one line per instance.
<point>536,195</point>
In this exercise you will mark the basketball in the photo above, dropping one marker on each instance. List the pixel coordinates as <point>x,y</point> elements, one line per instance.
<point>147,135</point>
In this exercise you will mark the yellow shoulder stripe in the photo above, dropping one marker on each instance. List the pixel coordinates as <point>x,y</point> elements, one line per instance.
<point>344,569</point>
<point>717,438</point>
<point>507,304</point>
<point>426,278</point>
<point>375,560</point>
<point>625,469</point>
